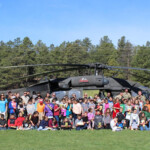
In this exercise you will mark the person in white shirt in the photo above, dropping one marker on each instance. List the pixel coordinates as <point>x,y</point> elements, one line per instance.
<point>25,98</point>
<point>113,124</point>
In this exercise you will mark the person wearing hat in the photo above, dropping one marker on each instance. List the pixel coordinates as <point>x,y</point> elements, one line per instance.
<point>40,109</point>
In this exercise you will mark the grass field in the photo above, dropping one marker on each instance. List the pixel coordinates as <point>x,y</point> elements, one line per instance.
<point>74,140</point>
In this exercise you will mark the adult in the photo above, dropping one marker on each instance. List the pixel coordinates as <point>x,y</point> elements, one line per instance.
<point>126,94</point>
<point>141,97</point>
<point>3,105</point>
<point>25,98</point>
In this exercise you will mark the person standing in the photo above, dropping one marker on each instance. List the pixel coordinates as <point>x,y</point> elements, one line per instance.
<point>3,105</point>
<point>40,109</point>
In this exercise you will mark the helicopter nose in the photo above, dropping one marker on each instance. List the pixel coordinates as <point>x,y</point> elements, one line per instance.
<point>106,81</point>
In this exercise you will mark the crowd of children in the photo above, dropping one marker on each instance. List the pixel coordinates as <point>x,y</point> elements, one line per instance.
<point>32,111</point>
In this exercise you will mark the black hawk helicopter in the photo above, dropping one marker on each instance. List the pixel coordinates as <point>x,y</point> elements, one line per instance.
<point>76,85</point>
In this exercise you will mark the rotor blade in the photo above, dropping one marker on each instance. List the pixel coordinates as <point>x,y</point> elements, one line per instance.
<point>35,65</point>
<point>48,72</point>
<point>133,74</point>
<point>126,68</point>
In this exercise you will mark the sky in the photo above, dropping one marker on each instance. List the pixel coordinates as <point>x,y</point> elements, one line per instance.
<point>55,21</point>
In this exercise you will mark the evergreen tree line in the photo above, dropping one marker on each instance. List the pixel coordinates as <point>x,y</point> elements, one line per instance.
<point>24,52</point>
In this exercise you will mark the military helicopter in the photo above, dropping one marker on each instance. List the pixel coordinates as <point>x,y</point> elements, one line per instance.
<point>77,84</point>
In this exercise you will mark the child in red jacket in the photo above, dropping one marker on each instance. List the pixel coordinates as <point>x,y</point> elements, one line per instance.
<point>11,122</point>
<point>19,121</point>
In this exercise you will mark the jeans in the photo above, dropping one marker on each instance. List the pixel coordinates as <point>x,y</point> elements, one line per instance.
<point>41,128</point>
<point>2,128</point>
<point>82,127</point>
<point>57,118</point>
<point>144,128</point>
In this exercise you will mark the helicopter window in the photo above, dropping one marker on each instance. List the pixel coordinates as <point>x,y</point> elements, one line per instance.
<point>60,94</point>
<point>76,92</point>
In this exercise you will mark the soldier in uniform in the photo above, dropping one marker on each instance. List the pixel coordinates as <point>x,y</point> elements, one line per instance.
<point>140,96</point>
<point>120,96</point>
<point>126,94</point>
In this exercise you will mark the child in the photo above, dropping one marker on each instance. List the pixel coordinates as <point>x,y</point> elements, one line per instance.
<point>11,122</point>
<point>30,107</point>
<point>136,106</point>
<point>27,124</point>
<point>148,105</point>
<point>143,122</point>
<point>35,120</point>
<point>48,109</point>
<point>3,123</point>
<point>100,107</point>
<point>134,120</point>
<point>19,121</point>
<point>128,113</point>
<point>12,106</point>
<point>63,109</point>
<point>107,118</point>
<point>66,125</point>
<point>85,105</point>
<point>56,111</point>
<point>22,108</point>
<point>79,124</point>
<point>114,126</point>
<point>98,121</point>
<point>69,108</point>
<point>53,124</point>
<point>91,119</point>
<point>121,118</point>
<point>40,109</point>
<point>71,120</point>
<point>43,124</point>
<point>85,119</point>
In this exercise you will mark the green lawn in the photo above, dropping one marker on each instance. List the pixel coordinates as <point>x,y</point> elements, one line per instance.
<point>74,140</point>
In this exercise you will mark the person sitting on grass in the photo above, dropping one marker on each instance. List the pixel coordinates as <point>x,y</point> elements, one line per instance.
<point>11,122</point>
<point>3,122</point>
<point>43,124</point>
<point>143,122</point>
<point>66,125</point>
<point>19,121</point>
<point>79,124</point>
<point>134,120</point>
<point>27,124</point>
<point>98,121</point>
<point>114,126</point>
<point>52,124</point>
<point>35,120</point>
<point>71,120</point>
<point>85,119</point>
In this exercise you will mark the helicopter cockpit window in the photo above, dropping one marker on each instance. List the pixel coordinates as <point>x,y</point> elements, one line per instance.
<point>76,92</point>
<point>60,94</point>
